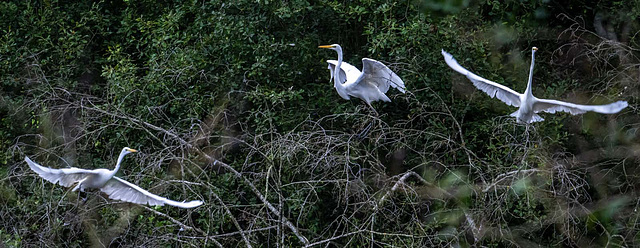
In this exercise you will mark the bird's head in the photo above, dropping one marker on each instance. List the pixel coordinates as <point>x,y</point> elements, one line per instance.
<point>332,47</point>
<point>128,150</point>
<point>534,49</point>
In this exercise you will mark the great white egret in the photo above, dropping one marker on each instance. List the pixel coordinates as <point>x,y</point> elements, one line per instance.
<point>107,182</point>
<point>528,104</point>
<point>369,85</point>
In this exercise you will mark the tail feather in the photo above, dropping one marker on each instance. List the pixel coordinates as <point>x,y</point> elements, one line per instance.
<point>536,118</point>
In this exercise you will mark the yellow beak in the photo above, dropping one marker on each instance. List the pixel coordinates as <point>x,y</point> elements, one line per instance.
<point>326,46</point>
<point>132,150</point>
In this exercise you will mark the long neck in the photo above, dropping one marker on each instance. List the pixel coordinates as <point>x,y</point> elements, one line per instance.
<point>533,60</point>
<point>336,74</point>
<point>119,161</point>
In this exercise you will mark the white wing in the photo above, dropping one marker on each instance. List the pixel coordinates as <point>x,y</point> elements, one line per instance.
<point>552,106</point>
<point>380,75</point>
<point>492,89</point>
<point>65,177</point>
<point>119,189</point>
<point>348,73</point>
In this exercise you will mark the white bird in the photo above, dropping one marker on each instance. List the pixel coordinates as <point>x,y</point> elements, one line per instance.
<point>528,104</point>
<point>107,182</point>
<point>369,85</point>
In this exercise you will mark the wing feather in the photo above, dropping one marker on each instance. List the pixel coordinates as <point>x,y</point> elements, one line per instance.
<point>348,73</point>
<point>379,74</point>
<point>552,106</point>
<point>493,89</point>
<point>65,177</point>
<point>119,189</point>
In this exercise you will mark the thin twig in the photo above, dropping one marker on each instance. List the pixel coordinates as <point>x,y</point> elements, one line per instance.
<point>233,219</point>
<point>183,226</point>
<point>215,162</point>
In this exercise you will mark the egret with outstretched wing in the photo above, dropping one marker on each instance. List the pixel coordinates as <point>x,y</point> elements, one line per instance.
<point>369,85</point>
<point>528,104</point>
<point>106,181</point>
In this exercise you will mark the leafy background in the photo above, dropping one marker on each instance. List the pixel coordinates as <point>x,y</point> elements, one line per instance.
<point>230,103</point>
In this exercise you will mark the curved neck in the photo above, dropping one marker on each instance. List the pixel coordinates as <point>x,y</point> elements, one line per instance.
<point>336,74</point>
<point>533,60</point>
<point>122,154</point>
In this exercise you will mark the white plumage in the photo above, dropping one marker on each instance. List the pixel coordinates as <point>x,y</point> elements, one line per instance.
<point>369,85</point>
<point>528,104</point>
<point>105,180</point>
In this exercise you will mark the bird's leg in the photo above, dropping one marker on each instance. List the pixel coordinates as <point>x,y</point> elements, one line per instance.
<point>365,131</point>
<point>372,109</point>
<point>79,186</point>
<point>363,134</point>
<point>82,195</point>
<point>80,198</point>
<point>526,141</point>
<point>526,132</point>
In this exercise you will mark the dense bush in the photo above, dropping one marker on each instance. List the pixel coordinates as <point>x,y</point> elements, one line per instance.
<point>230,103</point>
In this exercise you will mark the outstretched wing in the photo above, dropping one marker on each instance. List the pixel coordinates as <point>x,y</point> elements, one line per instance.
<point>65,177</point>
<point>119,189</point>
<point>552,106</point>
<point>492,89</point>
<point>347,71</point>
<point>375,72</point>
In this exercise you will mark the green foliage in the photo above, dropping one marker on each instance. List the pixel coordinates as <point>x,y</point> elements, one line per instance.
<point>10,240</point>
<point>244,82</point>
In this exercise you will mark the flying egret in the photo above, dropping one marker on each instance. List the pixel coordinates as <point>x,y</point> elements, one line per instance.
<point>528,104</point>
<point>107,182</point>
<point>369,85</point>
